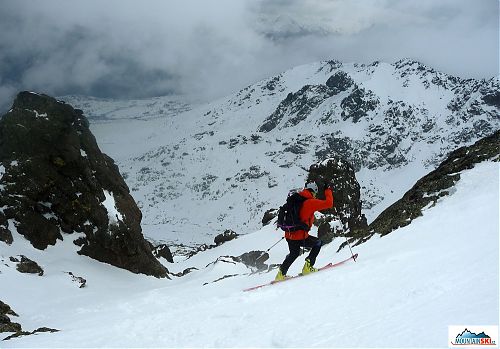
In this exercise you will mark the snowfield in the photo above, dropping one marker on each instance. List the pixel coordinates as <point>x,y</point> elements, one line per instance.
<point>404,290</point>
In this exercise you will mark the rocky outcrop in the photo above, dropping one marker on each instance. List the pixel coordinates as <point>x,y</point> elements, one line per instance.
<point>6,325</point>
<point>345,217</point>
<point>358,104</point>
<point>26,333</point>
<point>55,181</point>
<point>269,215</point>
<point>429,189</point>
<point>81,282</point>
<point>339,82</point>
<point>162,251</point>
<point>254,260</point>
<point>26,265</point>
<point>226,236</point>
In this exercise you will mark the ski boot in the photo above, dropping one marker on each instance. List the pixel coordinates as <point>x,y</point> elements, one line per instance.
<point>280,276</point>
<point>308,268</point>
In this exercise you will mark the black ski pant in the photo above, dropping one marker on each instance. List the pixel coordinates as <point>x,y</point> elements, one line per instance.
<point>311,242</point>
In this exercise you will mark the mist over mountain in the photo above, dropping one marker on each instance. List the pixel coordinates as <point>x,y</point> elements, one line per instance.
<point>130,50</point>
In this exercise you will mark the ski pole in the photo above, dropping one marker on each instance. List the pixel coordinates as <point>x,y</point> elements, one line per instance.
<point>270,248</point>
<point>348,244</point>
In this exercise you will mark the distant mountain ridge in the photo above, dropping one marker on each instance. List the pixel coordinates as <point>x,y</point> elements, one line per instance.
<point>241,154</point>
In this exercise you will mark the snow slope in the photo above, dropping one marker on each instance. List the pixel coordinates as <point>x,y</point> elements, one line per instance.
<point>404,290</point>
<point>198,172</point>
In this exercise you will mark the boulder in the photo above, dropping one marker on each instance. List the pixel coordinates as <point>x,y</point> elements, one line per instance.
<point>226,236</point>
<point>56,181</point>
<point>345,217</point>
<point>254,259</point>
<point>26,265</point>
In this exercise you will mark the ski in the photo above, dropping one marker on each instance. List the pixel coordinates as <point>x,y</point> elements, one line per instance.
<point>328,266</point>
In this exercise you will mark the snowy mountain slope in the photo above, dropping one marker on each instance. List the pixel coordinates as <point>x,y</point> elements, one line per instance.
<point>441,270</point>
<point>105,110</point>
<point>222,165</point>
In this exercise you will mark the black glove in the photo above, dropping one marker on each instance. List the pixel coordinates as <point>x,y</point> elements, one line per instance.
<point>328,185</point>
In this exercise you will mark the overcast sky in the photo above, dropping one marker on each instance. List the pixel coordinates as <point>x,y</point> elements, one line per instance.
<point>207,49</point>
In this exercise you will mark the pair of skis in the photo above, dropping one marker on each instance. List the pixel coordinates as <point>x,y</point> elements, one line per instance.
<point>328,266</point>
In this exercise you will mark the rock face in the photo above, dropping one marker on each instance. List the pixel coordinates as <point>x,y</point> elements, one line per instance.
<point>433,186</point>
<point>345,216</point>
<point>54,180</point>
<point>6,325</point>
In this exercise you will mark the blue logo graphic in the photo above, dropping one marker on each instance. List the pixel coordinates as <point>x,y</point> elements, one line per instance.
<point>470,338</point>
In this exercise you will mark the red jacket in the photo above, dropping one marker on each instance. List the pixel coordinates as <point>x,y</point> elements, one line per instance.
<point>307,210</point>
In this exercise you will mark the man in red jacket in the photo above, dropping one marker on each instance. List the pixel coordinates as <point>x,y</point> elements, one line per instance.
<point>299,238</point>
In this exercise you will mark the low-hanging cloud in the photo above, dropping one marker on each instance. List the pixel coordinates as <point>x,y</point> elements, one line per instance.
<point>205,49</point>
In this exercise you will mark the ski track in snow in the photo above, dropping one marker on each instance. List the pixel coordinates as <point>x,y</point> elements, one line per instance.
<point>404,291</point>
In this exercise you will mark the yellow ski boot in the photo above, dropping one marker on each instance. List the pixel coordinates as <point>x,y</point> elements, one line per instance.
<point>308,268</point>
<point>280,276</point>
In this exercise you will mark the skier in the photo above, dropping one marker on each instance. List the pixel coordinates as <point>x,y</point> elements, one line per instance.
<point>299,238</point>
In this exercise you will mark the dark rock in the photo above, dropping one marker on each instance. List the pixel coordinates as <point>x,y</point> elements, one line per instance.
<point>226,236</point>
<point>57,180</point>
<point>295,149</point>
<point>339,82</point>
<point>5,234</point>
<point>184,272</point>
<point>220,279</point>
<point>254,172</point>
<point>433,186</point>
<point>78,279</point>
<point>162,250</point>
<point>26,333</point>
<point>10,327</point>
<point>6,310</point>
<point>346,194</point>
<point>269,215</point>
<point>358,104</point>
<point>45,329</point>
<point>343,147</point>
<point>80,241</point>
<point>6,325</point>
<point>26,265</point>
<point>254,259</point>
<point>492,99</point>
<point>298,106</point>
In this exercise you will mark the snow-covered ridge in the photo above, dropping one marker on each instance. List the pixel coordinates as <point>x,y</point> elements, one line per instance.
<point>199,172</point>
<point>105,110</point>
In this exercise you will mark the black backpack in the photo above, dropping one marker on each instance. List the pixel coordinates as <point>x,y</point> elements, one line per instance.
<point>288,214</point>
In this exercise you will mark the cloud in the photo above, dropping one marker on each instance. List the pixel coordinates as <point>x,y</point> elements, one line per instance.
<point>205,49</point>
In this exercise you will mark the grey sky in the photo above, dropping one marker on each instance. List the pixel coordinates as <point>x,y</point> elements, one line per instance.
<point>206,49</point>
